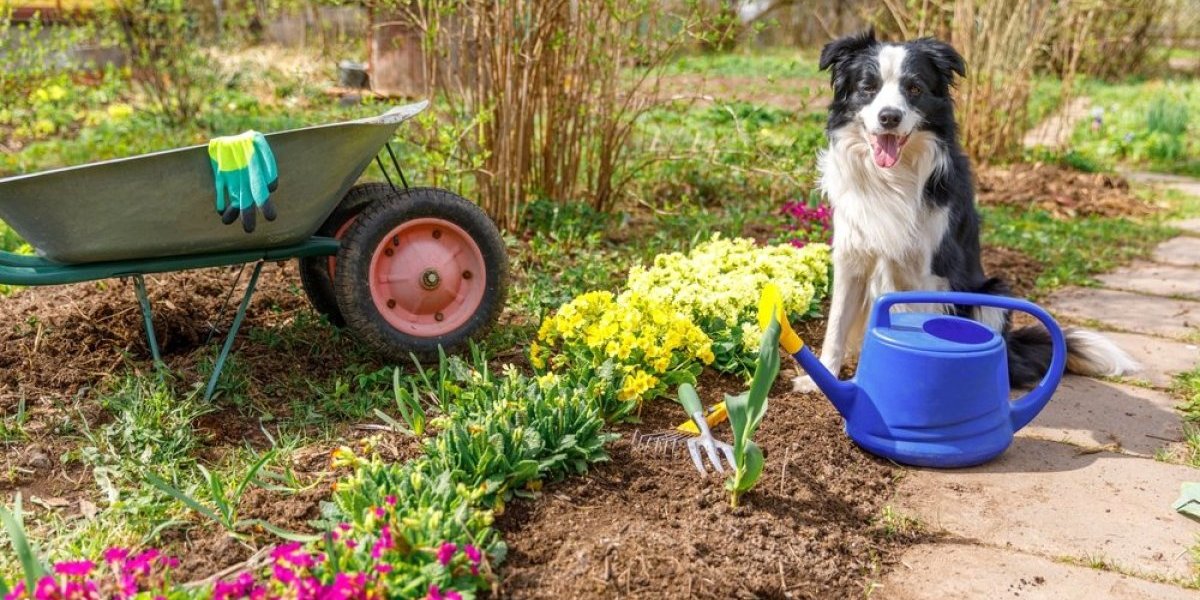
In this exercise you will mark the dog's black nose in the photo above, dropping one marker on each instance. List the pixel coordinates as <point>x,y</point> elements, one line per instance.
<point>889,118</point>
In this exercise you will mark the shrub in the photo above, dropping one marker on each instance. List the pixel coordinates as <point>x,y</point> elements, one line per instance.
<point>717,284</point>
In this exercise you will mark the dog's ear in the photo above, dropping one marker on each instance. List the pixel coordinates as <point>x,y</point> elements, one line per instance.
<point>944,57</point>
<point>836,52</point>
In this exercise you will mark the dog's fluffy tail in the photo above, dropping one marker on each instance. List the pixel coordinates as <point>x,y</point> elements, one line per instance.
<point>1088,353</point>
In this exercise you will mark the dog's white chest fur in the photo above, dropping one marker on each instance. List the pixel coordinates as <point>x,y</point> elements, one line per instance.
<point>882,226</point>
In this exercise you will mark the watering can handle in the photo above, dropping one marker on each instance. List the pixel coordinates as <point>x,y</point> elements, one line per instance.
<point>1025,408</point>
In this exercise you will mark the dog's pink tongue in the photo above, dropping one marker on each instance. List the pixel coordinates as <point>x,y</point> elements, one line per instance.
<point>887,150</point>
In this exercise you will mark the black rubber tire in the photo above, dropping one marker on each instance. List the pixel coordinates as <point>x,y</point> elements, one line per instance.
<point>354,264</point>
<point>314,270</point>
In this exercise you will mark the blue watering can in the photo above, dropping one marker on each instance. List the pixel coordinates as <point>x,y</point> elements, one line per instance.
<point>932,389</point>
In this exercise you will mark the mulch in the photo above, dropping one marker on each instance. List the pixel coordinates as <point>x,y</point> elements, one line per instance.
<point>1063,192</point>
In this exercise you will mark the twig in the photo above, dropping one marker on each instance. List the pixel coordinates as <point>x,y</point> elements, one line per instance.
<point>256,560</point>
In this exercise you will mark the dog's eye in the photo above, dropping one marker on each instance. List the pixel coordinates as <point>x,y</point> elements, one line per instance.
<point>869,89</point>
<point>914,89</point>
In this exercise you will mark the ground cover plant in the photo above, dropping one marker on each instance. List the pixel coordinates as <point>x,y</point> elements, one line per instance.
<point>497,472</point>
<point>1148,125</point>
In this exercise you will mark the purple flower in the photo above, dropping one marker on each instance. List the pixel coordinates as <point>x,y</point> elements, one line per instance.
<point>446,553</point>
<point>79,568</point>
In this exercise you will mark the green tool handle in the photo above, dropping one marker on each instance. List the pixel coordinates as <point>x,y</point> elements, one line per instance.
<point>690,399</point>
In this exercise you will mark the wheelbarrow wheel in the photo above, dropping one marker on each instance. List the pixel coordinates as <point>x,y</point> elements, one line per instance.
<point>421,270</point>
<point>316,272</point>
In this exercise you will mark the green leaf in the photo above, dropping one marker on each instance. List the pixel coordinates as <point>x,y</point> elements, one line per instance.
<point>291,536</point>
<point>13,524</point>
<point>250,475</point>
<point>186,499</point>
<point>749,473</point>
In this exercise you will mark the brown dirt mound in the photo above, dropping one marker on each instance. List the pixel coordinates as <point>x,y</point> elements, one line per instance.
<point>1063,192</point>
<point>1019,270</point>
<point>645,525</point>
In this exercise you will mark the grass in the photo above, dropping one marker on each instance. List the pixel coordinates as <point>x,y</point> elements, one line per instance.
<point>776,63</point>
<point>1146,124</point>
<point>1074,250</point>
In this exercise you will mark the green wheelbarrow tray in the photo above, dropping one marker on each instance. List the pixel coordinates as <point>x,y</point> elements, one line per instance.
<point>154,213</point>
<point>161,204</point>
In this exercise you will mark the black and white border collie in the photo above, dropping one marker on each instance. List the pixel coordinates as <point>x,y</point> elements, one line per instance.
<point>904,213</point>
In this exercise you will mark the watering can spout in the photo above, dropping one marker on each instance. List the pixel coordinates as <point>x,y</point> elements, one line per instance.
<point>840,393</point>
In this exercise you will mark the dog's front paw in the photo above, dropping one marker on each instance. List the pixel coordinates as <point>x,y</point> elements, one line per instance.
<point>804,384</point>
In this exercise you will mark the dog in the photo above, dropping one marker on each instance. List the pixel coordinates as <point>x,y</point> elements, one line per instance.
<point>903,202</point>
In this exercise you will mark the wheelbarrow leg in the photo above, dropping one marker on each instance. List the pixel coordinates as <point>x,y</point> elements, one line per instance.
<point>139,285</point>
<point>233,329</point>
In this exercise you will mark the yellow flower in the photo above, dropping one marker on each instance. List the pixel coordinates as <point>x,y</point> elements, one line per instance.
<point>119,111</point>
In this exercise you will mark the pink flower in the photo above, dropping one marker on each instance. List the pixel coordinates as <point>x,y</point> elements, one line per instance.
<point>18,591</point>
<point>383,568</point>
<point>344,526</point>
<point>380,512</point>
<point>115,555</point>
<point>446,553</point>
<point>390,500</point>
<point>47,589</point>
<point>79,568</point>
<point>436,594</point>
<point>474,556</point>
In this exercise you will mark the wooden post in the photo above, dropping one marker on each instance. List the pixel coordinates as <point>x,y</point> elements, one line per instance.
<point>397,62</point>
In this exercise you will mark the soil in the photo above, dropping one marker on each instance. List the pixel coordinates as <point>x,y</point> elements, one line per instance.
<point>1063,192</point>
<point>646,525</point>
<point>1017,269</point>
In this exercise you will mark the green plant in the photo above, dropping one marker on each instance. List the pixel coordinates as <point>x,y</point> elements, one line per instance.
<point>223,509</point>
<point>746,411</point>
<point>408,402</point>
<point>32,567</point>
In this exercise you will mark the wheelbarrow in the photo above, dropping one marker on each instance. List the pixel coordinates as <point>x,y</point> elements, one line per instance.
<point>407,270</point>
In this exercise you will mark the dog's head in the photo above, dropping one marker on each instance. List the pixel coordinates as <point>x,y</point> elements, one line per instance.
<point>887,92</point>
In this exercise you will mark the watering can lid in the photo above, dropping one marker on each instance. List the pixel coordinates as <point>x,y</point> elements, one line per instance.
<point>938,333</point>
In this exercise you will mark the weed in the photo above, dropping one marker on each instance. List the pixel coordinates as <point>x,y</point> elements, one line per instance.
<point>1187,388</point>
<point>895,523</point>
<point>151,425</point>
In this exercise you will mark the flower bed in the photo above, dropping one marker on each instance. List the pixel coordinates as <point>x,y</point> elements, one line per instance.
<point>424,528</point>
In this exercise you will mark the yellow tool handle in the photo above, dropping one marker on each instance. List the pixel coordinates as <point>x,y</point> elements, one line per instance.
<point>716,415</point>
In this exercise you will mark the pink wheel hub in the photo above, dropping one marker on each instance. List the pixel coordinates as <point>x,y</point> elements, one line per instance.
<point>427,277</point>
<point>338,235</point>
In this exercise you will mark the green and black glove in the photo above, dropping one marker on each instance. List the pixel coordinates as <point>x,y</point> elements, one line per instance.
<point>244,175</point>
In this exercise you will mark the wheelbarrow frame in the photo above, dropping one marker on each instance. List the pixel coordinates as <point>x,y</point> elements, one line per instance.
<point>25,270</point>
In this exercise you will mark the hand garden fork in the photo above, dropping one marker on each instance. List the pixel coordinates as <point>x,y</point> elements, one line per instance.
<point>713,447</point>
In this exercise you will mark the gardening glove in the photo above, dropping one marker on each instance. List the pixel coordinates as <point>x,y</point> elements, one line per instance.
<point>244,175</point>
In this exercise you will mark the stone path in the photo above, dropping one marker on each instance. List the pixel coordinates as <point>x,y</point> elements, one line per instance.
<point>1079,506</point>
<point>1054,132</point>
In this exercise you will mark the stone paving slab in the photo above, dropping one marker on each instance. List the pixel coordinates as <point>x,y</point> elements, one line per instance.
<point>1126,311</point>
<point>1093,413</point>
<point>1157,279</point>
<point>1188,225</point>
<point>1182,183</point>
<point>940,571</point>
<point>1160,358</point>
<point>1183,250</point>
<point>1050,499</point>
